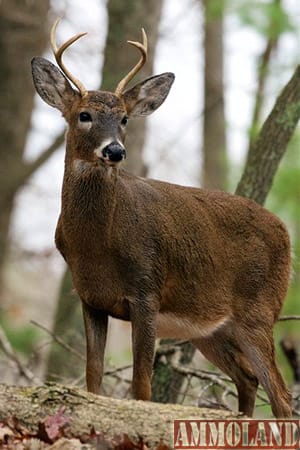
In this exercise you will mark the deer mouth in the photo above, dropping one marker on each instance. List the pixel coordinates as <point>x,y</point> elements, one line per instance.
<point>108,163</point>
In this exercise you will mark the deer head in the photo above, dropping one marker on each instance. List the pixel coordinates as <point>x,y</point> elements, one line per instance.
<point>97,119</point>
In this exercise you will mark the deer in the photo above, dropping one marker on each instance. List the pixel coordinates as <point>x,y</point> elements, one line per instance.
<point>179,262</point>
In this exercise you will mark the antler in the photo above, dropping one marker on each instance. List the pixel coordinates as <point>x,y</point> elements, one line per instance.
<point>143,49</point>
<point>58,56</point>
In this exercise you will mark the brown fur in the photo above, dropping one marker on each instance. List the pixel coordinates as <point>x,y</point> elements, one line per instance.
<point>176,261</point>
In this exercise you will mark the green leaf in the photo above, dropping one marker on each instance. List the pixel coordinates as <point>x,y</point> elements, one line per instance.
<point>269,19</point>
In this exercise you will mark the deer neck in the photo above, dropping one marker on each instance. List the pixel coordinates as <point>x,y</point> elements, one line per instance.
<point>89,195</point>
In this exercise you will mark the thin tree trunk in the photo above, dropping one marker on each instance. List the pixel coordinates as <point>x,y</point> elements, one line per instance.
<point>214,134</point>
<point>5,218</point>
<point>263,70</point>
<point>23,35</point>
<point>125,22</point>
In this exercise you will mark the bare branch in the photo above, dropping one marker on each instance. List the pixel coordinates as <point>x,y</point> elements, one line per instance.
<point>113,372</point>
<point>59,341</point>
<point>68,348</point>
<point>26,170</point>
<point>30,168</point>
<point>214,378</point>
<point>12,356</point>
<point>284,318</point>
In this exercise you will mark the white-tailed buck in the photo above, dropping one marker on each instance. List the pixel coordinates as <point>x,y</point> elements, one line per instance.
<point>175,261</point>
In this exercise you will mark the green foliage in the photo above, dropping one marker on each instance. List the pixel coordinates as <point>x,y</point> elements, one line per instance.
<point>267,18</point>
<point>215,8</point>
<point>284,196</point>
<point>22,338</point>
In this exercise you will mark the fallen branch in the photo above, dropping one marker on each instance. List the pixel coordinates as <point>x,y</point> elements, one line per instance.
<point>83,412</point>
<point>214,378</point>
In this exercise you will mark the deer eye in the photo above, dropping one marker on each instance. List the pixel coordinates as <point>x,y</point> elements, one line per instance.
<point>124,121</point>
<point>85,117</point>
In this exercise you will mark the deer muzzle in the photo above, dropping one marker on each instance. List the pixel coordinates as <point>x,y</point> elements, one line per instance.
<point>114,152</point>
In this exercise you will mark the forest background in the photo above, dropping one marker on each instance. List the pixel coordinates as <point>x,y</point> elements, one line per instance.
<point>231,60</point>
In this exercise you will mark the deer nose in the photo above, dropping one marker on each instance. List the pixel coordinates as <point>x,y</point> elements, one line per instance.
<point>114,152</point>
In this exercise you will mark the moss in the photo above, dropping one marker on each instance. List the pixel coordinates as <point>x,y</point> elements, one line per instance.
<point>27,391</point>
<point>290,117</point>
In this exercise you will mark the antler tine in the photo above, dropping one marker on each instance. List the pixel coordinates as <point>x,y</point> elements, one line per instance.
<point>58,56</point>
<point>143,47</point>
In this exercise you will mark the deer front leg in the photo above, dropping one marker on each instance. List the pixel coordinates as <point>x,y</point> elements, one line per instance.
<point>143,322</point>
<point>95,323</point>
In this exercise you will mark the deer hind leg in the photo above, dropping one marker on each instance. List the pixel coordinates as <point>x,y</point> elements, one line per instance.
<point>226,355</point>
<point>258,346</point>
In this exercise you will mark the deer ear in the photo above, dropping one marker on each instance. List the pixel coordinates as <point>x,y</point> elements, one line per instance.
<point>51,85</point>
<point>147,96</point>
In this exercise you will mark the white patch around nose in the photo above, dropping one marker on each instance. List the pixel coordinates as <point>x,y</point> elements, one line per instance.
<point>105,143</point>
<point>98,150</point>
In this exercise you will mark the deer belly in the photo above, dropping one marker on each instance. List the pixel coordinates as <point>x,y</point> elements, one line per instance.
<point>171,326</point>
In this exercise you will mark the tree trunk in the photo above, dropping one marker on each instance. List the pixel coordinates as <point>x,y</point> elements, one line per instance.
<point>262,75</point>
<point>270,145</point>
<point>167,383</point>
<point>5,218</point>
<point>125,22</point>
<point>23,35</point>
<point>214,135</point>
<point>84,412</point>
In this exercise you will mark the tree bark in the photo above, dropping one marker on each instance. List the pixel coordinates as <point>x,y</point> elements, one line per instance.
<point>270,145</point>
<point>125,22</point>
<point>23,35</point>
<point>152,422</point>
<point>214,169</point>
<point>262,74</point>
<point>167,383</point>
